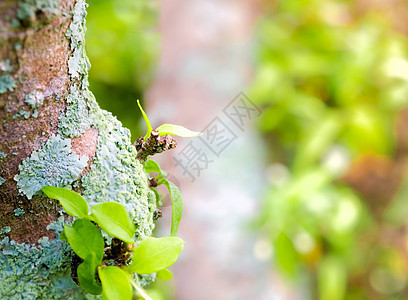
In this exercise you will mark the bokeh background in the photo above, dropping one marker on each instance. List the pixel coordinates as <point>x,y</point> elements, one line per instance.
<point>310,199</point>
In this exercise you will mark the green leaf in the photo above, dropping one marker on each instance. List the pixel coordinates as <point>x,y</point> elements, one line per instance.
<point>72,202</point>
<point>148,125</point>
<point>158,198</point>
<point>115,283</point>
<point>62,236</point>
<point>85,239</point>
<point>176,130</point>
<point>86,275</point>
<point>332,278</point>
<point>176,205</point>
<point>164,275</point>
<point>286,257</point>
<point>152,166</point>
<point>113,218</point>
<point>156,254</point>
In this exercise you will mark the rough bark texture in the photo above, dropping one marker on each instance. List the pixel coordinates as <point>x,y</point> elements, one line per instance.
<point>54,133</point>
<point>37,61</point>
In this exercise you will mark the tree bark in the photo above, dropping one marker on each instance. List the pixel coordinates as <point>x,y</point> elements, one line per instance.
<point>54,133</point>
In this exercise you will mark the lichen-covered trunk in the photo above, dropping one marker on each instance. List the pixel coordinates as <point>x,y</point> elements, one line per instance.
<point>54,133</point>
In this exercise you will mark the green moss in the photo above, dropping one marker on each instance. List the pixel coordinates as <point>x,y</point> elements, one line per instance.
<point>54,164</point>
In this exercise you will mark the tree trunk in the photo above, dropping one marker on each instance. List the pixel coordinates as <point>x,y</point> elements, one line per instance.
<point>54,133</point>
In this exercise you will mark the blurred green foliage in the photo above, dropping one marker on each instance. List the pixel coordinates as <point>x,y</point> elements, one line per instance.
<point>330,84</point>
<point>123,46</point>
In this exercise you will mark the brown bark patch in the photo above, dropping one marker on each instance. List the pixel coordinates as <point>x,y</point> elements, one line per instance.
<point>85,145</point>
<point>377,179</point>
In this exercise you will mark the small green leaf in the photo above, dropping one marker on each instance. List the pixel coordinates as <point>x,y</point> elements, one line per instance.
<point>158,198</point>
<point>63,237</point>
<point>148,125</point>
<point>86,275</point>
<point>85,239</point>
<point>72,202</point>
<point>156,254</point>
<point>176,130</point>
<point>115,283</point>
<point>164,275</point>
<point>113,218</point>
<point>152,166</point>
<point>176,205</point>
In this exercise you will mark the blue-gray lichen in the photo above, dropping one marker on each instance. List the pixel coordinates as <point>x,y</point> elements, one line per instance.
<point>35,99</point>
<point>29,8</point>
<point>78,63</point>
<point>115,173</point>
<point>5,229</point>
<point>75,120</point>
<point>2,155</point>
<point>54,164</point>
<point>18,212</point>
<point>2,180</point>
<point>37,272</point>
<point>21,113</point>
<point>7,83</point>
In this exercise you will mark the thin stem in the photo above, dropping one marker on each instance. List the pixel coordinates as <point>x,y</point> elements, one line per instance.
<point>140,291</point>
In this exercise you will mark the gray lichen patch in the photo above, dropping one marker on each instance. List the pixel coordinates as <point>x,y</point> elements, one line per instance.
<point>116,174</point>
<point>29,10</point>
<point>54,164</point>
<point>76,30</point>
<point>7,83</point>
<point>19,212</point>
<point>34,99</point>
<point>2,180</point>
<point>21,113</point>
<point>75,121</point>
<point>78,63</point>
<point>5,66</point>
<point>37,272</point>
<point>5,230</point>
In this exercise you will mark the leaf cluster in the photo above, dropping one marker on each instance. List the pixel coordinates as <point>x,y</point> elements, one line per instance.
<point>95,276</point>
